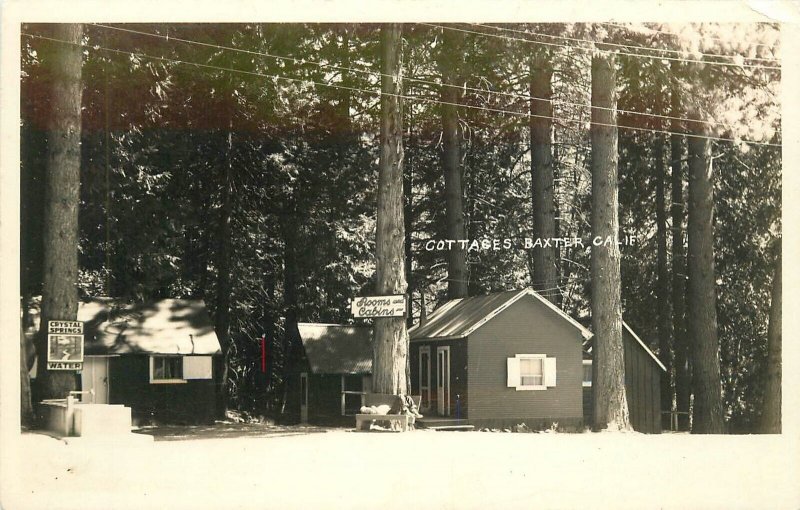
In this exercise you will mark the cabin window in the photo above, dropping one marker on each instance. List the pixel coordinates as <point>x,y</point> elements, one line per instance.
<point>166,369</point>
<point>587,373</point>
<point>531,372</point>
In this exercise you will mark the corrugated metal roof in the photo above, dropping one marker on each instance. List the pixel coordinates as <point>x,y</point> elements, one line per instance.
<point>337,348</point>
<point>458,318</point>
<point>168,326</point>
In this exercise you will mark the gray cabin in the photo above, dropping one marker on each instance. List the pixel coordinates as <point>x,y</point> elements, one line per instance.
<point>500,360</point>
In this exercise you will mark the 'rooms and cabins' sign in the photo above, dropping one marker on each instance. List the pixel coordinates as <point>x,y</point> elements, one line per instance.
<point>378,306</point>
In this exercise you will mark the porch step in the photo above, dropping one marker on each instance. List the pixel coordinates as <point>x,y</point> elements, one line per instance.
<point>439,423</point>
<point>451,427</point>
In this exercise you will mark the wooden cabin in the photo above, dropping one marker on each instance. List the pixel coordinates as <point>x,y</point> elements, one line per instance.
<point>333,373</point>
<point>500,360</point>
<point>643,373</point>
<point>162,359</point>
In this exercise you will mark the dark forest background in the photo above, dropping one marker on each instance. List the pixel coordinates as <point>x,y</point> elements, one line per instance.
<point>254,148</point>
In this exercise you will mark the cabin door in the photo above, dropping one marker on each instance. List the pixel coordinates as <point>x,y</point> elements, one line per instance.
<point>304,397</point>
<point>94,376</point>
<point>443,380</point>
<point>425,377</point>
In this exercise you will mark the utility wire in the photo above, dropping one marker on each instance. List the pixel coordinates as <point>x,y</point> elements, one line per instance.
<point>400,96</point>
<point>673,34</point>
<point>628,46</point>
<point>527,97</point>
<point>637,55</point>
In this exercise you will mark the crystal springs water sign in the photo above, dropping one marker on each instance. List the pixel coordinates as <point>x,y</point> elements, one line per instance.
<point>379,306</point>
<point>64,345</point>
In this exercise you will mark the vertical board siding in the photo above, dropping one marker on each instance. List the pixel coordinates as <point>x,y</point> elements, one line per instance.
<point>642,387</point>
<point>526,327</point>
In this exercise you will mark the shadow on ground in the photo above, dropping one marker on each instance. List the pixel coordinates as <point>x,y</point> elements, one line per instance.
<point>223,430</point>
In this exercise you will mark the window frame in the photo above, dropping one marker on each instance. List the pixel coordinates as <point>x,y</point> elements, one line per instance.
<point>584,383</point>
<point>425,391</point>
<point>534,387</point>
<point>155,380</point>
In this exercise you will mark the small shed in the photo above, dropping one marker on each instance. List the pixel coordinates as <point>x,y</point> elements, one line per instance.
<point>328,383</point>
<point>643,373</point>
<point>499,360</point>
<point>161,358</point>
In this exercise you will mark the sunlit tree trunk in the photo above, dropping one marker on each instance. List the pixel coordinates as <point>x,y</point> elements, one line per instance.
<point>59,289</point>
<point>701,313</point>
<point>664,313</point>
<point>771,413</point>
<point>608,384</point>
<point>545,271</point>
<point>683,382</point>
<point>222,312</point>
<point>391,338</point>
<point>457,273</point>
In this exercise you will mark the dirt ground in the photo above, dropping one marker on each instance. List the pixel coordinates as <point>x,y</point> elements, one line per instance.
<point>340,469</point>
<point>227,430</point>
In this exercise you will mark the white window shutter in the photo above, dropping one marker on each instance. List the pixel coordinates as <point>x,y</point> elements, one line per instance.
<point>197,367</point>
<point>513,372</point>
<point>550,372</point>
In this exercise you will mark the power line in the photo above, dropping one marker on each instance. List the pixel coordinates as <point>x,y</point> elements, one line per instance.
<point>623,45</point>
<point>527,97</point>
<point>673,34</point>
<point>637,55</point>
<point>400,96</point>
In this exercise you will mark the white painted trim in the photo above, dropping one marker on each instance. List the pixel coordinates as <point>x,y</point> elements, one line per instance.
<point>644,346</point>
<point>584,383</point>
<point>446,389</point>
<point>495,312</point>
<point>543,386</point>
<point>437,339</point>
<point>425,397</point>
<point>165,381</point>
<point>585,333</point>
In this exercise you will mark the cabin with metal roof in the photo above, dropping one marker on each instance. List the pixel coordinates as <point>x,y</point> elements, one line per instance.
<point>161,358</point>
<point>643,374</point>
<point>499,360</point>
<point>334,371</point>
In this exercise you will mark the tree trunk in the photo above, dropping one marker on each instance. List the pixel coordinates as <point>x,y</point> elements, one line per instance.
<point>683,384</point>
<point>771,414</point>
<point>707,417</point>
<point>223,317</point>
<point>391,338</point>
<point>664,314</point>
<point>608,385</point>
<point>26,408</point>
<point>545,271</point>
<point>59,291</point>
<point>291,334</point>
<point>408,208</point>
<point>457,274</point>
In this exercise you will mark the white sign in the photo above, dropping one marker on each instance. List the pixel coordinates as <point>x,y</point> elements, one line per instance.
<point>64,345</point>
<point>379,306</point>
